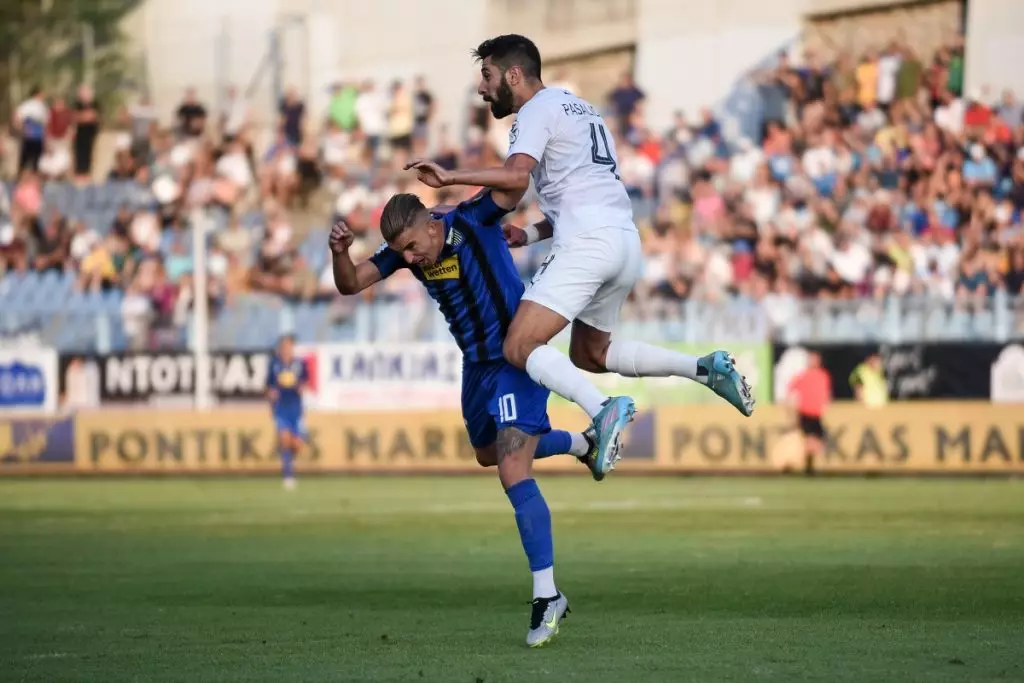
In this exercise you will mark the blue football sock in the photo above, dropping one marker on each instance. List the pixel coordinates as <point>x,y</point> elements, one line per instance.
<point>555,442</point>
<point>534,521</point>
<point>287,463</point>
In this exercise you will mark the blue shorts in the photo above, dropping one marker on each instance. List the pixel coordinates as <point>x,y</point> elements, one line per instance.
<point>497,395</point>
<point>291,423</point>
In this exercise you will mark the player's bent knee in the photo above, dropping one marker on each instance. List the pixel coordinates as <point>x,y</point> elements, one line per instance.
<point>487,456</point>
<point>587,359</point>
<point>588,348</point>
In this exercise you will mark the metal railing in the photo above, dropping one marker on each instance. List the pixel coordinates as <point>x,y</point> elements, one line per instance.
<point>259,322</point>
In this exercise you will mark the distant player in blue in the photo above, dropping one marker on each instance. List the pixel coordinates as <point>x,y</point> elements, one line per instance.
<point>287,380</point>
<point>463,260</point>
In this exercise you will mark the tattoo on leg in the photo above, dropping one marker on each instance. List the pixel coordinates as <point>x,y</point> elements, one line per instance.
<point>510,440</point>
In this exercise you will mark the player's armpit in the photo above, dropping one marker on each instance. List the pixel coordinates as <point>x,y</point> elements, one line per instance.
<point>544,230</point>
<point>520,166</point>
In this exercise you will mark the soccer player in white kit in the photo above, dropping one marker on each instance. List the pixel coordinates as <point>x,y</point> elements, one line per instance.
<point>562,142</point>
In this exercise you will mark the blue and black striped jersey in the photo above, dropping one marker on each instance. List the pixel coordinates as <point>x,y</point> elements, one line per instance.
<point>474,282</point>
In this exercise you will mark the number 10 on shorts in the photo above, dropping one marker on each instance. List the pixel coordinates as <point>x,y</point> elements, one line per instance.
<point>507,408</point>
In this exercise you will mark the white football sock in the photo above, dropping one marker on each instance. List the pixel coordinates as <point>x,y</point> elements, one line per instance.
<point>544,583</point>
<point>580,446</point>
<point>552,369</point>
<point>637,359</point>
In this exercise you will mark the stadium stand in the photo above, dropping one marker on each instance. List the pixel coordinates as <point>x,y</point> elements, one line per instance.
<point>877,202</point>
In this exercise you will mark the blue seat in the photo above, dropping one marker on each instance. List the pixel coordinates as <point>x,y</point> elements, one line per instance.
<point>984,325</point>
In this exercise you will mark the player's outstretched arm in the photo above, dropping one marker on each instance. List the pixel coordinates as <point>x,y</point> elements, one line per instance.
<point>512,178</point>
<point>348,277</point>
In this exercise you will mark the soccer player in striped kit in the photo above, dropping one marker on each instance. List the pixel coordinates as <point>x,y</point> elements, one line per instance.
<point>463,260</point>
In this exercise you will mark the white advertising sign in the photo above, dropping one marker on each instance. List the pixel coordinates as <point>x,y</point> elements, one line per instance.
<point>387,376</point>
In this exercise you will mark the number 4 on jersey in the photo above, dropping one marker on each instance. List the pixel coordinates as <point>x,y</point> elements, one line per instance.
<point>601,152</point>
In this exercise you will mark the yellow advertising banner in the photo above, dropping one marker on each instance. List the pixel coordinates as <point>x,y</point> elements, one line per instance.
<point>243,440</point>
<point>925,437</point>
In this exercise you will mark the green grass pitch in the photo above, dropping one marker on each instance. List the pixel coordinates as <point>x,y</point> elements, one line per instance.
<point>423,579</point>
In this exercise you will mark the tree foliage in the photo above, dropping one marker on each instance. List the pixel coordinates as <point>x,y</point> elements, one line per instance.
<point>42,42</point>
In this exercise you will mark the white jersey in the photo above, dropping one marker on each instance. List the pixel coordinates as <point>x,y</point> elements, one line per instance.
<point>576,175</point>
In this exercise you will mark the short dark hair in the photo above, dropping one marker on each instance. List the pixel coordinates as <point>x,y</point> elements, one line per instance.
<point>399,213</point>
<point>511,50</point>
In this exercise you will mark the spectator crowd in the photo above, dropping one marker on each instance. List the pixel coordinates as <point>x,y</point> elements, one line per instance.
<point>871,177</point>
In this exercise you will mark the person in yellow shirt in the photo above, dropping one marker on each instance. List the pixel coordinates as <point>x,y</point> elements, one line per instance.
<point>869,383</point>
<point>867,81</point>
<point>105,265</point>
<point>98,268</point>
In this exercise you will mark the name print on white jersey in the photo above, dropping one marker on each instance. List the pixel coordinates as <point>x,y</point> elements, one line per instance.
<point>576,177</point>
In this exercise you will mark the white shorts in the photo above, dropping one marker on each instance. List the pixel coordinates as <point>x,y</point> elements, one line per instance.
<point>589,276</point>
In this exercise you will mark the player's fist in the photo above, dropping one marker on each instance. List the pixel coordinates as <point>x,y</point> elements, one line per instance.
<point>429,173</point>
<point>341,238</point>
<point>516,237</point>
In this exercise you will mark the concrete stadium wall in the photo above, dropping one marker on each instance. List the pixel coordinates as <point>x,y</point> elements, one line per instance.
<point>179,41</point>
<point>995,46</point>
<point>926,26</point>
<point>687,53</point>
<point>688,58</point>
<point>338,39</point>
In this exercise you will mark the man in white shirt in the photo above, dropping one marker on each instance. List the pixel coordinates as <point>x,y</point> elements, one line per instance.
<point>31,118</point>
<point>235,115</point>
<point>233,165</point>
<point>888,68</point>
<point>562,142</point>
<point>851,261</point>
<point>745,161</point>
<point>372,113</point>
<point>950,114</point>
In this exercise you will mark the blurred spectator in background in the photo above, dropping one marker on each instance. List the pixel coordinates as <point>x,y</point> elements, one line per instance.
<point>56,161</point>
<point>103,268</point>
<point>235,183</point>
<point>28,199</point>
<point>423,115</point>
<point>191,115</point>
<point>810,394</point>
<point>235,116</point>
<point>868,382</point>
<point>87,126</point>
<point>401,121</point>
<point>867,81</point>
<point>50,246</point>
<point>142,123</point>
<point>623,101</point>
<point>279,174</point>
<point>342,109</point>
<point>55,164</point>
<point>372,114</point>
<point>30,120</point>
<point>293,117</point>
